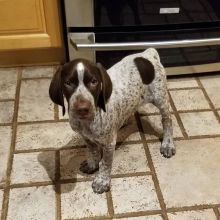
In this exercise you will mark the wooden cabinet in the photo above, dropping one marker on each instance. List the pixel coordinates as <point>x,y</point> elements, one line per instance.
<point>30,32</point>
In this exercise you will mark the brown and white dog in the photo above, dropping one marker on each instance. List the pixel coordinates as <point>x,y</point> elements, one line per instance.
<point>100,101</point>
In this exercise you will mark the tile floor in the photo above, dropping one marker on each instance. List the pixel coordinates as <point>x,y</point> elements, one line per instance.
<point>40,156</point>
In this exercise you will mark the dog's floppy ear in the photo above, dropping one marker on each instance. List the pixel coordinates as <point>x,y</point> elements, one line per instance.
<point>106,87</point>
<point>145,68</point>
<point>55,90</point>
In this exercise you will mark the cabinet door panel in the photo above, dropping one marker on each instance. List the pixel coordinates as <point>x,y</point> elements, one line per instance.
<point>26,24</point>
<point>21,16</point>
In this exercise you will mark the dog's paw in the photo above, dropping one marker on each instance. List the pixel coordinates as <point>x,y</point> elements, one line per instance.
<point>85,168</point>
<point>167,148</point>
<point>101,184</point>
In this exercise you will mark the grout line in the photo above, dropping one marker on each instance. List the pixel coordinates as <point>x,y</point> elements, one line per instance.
<point>119,144</point>
<point>148,114</point>
<point>192,208</point>
<point>63,120</point>
<point>12,147</point>
<point>91,218</point>
<point>57,186</point>
<point>122,143</point>
<point>36,78</point>
<point>195,110</point>
<point>138,214</point>
<point>5,124</point>
<point>209,100</point>
<point>203,136</point>
<point>174,112</point>
<point>151,166</point>
<point>49,149</point>
<point>40,122</point>
<point>217,213</point>
<point>179,121</point>
<point>59,181</point>
<point>33,184</point>
<point>187,88</point>
<point>158,140</point>
<point>110,203</point>
<point>141,115</point>
<point>7,100</point>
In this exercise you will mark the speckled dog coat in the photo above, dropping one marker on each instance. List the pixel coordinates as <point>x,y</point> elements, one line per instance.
<point>100,102</point>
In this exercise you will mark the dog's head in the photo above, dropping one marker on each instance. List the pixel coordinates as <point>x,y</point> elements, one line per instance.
<point>85,86</point>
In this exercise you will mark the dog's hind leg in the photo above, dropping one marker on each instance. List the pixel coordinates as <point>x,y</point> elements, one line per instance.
<point>161,101</point>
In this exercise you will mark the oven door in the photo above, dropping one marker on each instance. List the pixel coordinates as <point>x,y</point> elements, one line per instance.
<point>181,52</point>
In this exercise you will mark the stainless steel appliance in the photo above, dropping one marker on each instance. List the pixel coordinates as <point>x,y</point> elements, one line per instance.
<point>186,33</point>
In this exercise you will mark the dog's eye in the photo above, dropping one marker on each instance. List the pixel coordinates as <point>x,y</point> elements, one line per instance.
<point>67,83</point>
<point>94,82</point>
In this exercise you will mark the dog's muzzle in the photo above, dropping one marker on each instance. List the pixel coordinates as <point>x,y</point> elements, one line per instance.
<point>83,109</point>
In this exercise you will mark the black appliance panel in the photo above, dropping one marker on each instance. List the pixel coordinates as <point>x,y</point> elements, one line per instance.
<point>151,12</point>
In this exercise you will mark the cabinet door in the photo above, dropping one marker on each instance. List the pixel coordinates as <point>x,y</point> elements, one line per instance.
<point>27,24</point>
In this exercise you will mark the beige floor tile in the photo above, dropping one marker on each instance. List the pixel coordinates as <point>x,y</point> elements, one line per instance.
<point>133,194</point>
<point>5,142</point>
<point>211,85</point>
<point>130,159</point>
<point>1,201</point>
<point>79,201</point>
<point>150,217</point>
<point>38,71</point>
<point>150,108</point>
<point>33,167</point>
<point>35,104</point>
<point>6,112</point>
<point>207,214</point>
<point>70,161</point>
<point>32,203</point>
<point>182,83</point>
<point>8,80</point>
<point>153,127</point>
<point>48,135</point>
<point>191,177</point>
<point>129,132</point>
<point>189,99</point>
<point>200,123</point>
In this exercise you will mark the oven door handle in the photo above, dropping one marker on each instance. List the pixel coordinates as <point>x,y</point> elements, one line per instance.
<point>143,45</point>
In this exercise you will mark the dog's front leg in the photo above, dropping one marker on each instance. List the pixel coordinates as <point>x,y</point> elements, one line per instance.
<point>91,164</point>
<point>102,181</point>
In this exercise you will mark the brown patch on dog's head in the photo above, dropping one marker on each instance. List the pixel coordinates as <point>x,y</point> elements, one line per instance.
<point>106,89</point>
<point>80,78</point>
<point>55,90</point>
